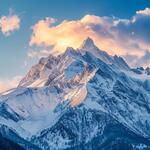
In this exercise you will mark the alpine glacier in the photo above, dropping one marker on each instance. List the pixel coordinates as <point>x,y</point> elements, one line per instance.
<point>83,99</point>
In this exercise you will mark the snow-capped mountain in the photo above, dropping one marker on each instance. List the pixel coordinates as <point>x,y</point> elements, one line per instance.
<point>81,99</point>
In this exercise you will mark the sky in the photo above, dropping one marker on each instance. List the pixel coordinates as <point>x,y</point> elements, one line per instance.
<point>30,29</point>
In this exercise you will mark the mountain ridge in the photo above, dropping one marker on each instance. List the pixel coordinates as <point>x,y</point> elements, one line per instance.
<point>80,100</point>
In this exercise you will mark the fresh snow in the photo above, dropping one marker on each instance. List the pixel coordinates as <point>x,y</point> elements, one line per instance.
<point>57,85</point>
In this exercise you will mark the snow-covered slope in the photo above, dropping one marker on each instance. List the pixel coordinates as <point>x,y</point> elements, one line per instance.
<point>81,99</point>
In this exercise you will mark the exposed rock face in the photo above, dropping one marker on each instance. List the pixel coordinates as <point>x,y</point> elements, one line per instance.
<point>81,99</point>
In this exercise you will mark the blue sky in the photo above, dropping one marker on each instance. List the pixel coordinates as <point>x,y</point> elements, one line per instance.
<point>14,47</point>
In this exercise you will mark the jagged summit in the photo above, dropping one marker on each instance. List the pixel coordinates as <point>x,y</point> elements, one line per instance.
<point>88,43</point>
<point>89,46</point>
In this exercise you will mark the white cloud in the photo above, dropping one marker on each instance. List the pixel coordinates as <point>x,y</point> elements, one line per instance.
<point>38,54</point>
<point>10,23</point>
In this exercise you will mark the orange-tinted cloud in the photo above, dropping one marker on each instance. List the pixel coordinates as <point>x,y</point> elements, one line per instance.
<point>70,33</point>
<point>146,11</point>
<point>9,23</point>
<point>114,35</point>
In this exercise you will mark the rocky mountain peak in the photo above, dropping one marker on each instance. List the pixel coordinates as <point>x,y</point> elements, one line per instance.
<point>88,43</point>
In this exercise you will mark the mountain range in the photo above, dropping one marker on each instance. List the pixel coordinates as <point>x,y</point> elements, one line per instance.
<point>82,99</point>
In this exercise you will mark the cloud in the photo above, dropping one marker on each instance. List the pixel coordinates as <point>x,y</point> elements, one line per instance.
<point>114,35</point>
<point>6,84</point>
<point>144,60</point>
<point>69,33</point>
<point>9,23</point>
<point>38,54</point>
<point>146,11</point>
<point>139,61</point>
